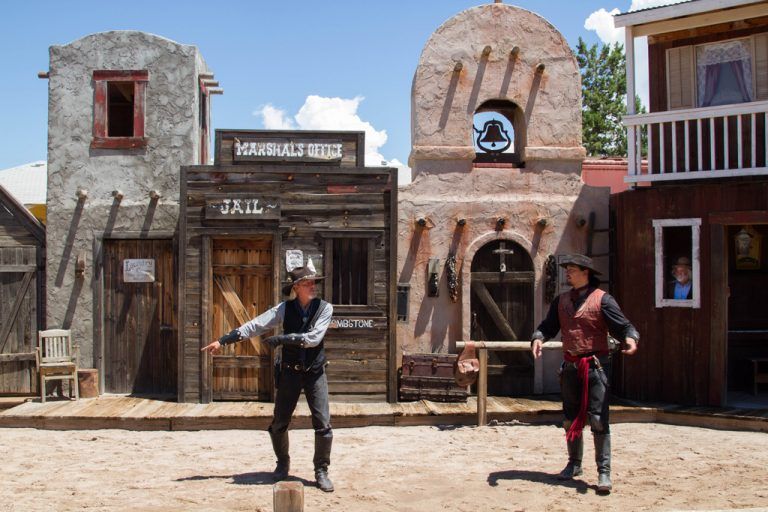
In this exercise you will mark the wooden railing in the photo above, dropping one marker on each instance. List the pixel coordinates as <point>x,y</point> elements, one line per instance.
<point>711,142</point>
<point>482,348</point>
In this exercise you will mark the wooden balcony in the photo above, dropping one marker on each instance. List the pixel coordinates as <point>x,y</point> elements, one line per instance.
<point>713,142</point>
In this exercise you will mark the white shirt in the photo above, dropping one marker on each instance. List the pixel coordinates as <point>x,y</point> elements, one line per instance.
<point>273,317</point>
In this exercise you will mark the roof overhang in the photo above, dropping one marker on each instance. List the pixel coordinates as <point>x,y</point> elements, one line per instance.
<point>687,15</point>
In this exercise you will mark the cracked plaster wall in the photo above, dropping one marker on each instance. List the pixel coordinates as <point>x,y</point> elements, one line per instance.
<point>172,128</point>
<point>447,187</point>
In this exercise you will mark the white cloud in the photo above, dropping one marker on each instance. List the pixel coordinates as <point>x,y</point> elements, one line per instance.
<point>322,113</point>
<point>601,21</point>
<point>274,118</point>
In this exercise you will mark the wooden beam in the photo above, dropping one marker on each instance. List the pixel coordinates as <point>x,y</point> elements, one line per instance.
<point>510,345</point>
<point>687,12</point>
<point>493,310</point>
<point>19,356</point>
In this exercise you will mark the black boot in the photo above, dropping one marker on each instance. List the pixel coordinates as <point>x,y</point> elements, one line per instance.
<point>280,445</point>
<point>322,460</point>
<point>603,460</point>
<point>575,452</point>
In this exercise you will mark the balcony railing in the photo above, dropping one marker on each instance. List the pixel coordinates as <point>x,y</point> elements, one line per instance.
<point>711,142</point>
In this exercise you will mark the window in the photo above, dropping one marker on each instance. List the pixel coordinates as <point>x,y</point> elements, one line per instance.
<point>498,129</point>
<point>677,262</point>
<point>349,267</point>
<point>118,110</point>
<point>721,73</point>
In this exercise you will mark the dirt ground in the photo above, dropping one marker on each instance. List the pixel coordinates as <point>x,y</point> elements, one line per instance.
<point>503,467</point>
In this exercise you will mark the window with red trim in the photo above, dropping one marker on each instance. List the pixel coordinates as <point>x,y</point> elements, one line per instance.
<point>118,108</point>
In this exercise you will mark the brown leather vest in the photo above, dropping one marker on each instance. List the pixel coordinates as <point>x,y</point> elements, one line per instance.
<point>583,330</point>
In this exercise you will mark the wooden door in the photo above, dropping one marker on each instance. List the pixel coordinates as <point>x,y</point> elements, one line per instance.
<point>242,289</point>
<point>501,305</point>
<point>18,320</point>
<point>140,341</point>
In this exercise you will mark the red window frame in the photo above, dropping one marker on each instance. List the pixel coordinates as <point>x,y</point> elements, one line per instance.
<point>100,109</point>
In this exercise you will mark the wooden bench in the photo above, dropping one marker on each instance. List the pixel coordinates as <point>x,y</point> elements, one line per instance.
<point>759,374</point>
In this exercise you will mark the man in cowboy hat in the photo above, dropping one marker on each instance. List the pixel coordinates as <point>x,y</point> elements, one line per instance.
<point>681,288</point>
<point>585,315</point>
<point>301,366</point>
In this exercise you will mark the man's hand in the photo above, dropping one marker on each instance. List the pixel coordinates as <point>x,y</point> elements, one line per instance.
<point>536,348</point>
<point>273,341</point>
<point>213,348</point>
<point>631,346</point>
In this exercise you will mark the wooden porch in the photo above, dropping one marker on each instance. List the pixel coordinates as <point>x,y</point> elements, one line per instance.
<point>132,413</point>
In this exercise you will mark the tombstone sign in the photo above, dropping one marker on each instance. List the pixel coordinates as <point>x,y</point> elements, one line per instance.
<point>139,271</point>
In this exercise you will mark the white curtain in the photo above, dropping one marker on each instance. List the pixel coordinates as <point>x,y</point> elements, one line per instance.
<point>724,73</point>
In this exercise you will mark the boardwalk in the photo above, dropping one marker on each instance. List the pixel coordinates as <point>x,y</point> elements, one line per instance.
<point>132,413</point>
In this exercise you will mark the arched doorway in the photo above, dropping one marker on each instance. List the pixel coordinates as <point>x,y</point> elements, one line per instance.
<point>501,307</point>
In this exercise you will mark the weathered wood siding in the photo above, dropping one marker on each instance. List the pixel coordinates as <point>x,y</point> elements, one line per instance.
<point>682,356</point>
<point>317,204</point>
<point>22,256</point>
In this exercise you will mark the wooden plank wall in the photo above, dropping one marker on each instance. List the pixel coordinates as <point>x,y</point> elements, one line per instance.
<point>19,247</point>
<point>313,200</point>
<point>676,361</point>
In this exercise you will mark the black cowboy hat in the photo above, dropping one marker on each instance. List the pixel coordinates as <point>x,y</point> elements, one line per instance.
<point>579,260</point>
<point>299,274</point>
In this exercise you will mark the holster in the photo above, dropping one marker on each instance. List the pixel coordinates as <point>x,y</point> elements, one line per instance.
<point>277,372</point>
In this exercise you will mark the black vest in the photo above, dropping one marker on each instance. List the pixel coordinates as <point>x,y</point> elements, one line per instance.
<point>294,322</point>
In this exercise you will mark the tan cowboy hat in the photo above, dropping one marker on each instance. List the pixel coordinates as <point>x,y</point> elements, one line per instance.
<point>299,274</point>
<point>580,261</point>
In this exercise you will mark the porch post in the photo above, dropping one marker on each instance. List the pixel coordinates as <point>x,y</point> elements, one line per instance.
<point>629,52</point>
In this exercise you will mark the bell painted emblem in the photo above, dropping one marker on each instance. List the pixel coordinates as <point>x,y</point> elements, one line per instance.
<point>493,138</point>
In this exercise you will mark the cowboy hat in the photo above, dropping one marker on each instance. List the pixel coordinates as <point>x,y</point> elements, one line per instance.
<point>579,260</point>
<point>299,274</point>
<point>682,261</point>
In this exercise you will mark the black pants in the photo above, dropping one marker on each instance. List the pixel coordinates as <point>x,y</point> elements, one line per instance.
<point>314,383</point>
<point>597,407</point>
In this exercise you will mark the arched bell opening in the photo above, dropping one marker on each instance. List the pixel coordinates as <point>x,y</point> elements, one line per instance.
<point>502,309</point>
<point>498,128</point>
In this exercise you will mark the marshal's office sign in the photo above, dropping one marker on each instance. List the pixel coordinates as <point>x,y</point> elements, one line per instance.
<point>287,150</point>
<point>242,206</point>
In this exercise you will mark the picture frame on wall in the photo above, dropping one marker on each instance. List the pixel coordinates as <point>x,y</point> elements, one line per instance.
<point>747,245</point>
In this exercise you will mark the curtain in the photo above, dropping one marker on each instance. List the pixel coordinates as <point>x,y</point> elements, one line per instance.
<point>724,72</point>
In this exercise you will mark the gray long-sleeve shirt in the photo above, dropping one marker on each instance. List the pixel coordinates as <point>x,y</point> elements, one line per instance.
<point>273,317</point>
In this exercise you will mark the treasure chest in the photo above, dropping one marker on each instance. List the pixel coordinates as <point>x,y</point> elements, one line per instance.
<point>430,377</point>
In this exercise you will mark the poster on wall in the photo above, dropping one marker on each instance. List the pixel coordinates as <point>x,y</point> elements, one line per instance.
<point>747,244</point>
<point>139,271</point>
<point>293,258</point>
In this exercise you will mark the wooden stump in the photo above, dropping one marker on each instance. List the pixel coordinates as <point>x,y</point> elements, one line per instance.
<point>88,381</point>
<point>288,497</point>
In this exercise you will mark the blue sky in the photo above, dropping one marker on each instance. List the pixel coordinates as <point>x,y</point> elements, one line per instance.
<point>354,58</point>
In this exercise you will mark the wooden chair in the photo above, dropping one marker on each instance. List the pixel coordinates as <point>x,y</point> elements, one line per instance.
<point>56,360</point>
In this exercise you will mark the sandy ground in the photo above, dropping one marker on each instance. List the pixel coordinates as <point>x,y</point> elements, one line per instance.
<point>502,467</point>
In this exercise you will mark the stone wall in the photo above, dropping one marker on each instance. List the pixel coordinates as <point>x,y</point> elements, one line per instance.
<point>75,226</point>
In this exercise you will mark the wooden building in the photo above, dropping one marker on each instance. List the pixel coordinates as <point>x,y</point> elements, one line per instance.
<point>272,201</point>
<point>22,292</point>
<point>704,199</point>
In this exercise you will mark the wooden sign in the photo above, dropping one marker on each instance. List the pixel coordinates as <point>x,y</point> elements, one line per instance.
<point>242,207</point>
<point>353,323</point>
<point>139,271</point>
<point>287,150</point>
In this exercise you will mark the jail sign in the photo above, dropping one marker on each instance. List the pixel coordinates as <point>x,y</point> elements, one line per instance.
<point>242,207</point>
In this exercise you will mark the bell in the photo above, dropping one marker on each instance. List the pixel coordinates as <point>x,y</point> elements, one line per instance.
<point>493,133</point>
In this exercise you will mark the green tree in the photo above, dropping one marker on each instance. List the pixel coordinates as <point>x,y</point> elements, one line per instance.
<point>603,90</point>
